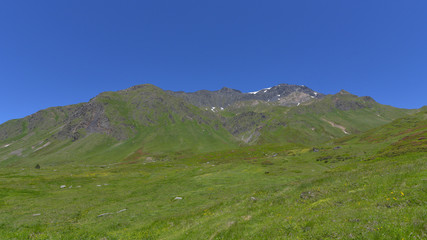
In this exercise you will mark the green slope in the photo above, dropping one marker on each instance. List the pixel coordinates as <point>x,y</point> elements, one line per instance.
<point>401,136</point>
<point>254,192</point>
<point>110,127</point>
<point>313,122</point>
<point>113,126</point>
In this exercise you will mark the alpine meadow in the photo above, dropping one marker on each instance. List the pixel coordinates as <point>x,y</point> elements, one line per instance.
<point>284,162</point>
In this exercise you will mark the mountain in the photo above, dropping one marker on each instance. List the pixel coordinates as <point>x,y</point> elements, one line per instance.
<point>114,124</point>
<point>362,186</point>
<point>311,122</point>
<point>283,94</point>
<point>146,121</point>
<point>144,163</point>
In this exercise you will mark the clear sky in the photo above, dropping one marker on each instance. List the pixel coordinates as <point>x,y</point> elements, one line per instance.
<point>64,52</point>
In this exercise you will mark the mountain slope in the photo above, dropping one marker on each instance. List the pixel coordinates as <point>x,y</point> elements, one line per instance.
<point>117,123</point>
<point>145,122</point>
<point>403,135</point>
<point>312,122</point>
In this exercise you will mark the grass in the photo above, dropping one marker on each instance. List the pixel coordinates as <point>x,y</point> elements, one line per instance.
<point>230,194</point>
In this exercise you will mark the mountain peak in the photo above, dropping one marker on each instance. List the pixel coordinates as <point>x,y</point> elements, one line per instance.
<point>344,92</point>
<point>281,94</point>
<point>228,90</point>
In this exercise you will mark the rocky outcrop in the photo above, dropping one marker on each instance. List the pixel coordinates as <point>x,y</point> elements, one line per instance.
<point>282,94</point>
<point>89,117</point>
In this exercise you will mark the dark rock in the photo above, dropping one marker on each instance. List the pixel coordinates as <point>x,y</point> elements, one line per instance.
<point>244,122</point>
<point>315,149</point>
<point>37,166</point>
<point>308,194</point>
<point>337,147</point>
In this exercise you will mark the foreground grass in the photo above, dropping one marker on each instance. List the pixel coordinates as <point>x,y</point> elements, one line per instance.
<point>251,193</point>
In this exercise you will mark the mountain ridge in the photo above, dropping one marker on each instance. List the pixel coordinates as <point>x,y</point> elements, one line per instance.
<point>150,119</point>
<point>283,94</point>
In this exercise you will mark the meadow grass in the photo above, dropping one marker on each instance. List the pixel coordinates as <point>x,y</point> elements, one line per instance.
<point>256,192</point>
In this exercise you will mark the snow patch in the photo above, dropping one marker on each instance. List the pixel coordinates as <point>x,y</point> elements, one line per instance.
<point>315,93</point>
<point>7,145</point>
<point>298,104</point>
<point>264,90</point>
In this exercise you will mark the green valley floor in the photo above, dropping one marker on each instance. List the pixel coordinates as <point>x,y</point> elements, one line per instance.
<point>345,191</point>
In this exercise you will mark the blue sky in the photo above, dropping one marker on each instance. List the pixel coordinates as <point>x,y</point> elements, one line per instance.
<point>64,52</point>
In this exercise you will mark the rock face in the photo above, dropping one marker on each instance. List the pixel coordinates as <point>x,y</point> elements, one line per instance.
<point>286,94</point>
<point>205,98</point>
<point>283,94</point>
<point>89,116</point>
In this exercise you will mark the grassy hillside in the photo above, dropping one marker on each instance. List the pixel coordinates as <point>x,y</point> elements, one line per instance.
<point>401,136</point>
<point>110,127</point>
<point>115,125</point>
<point>351,188</point>
<point>316,121</point>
